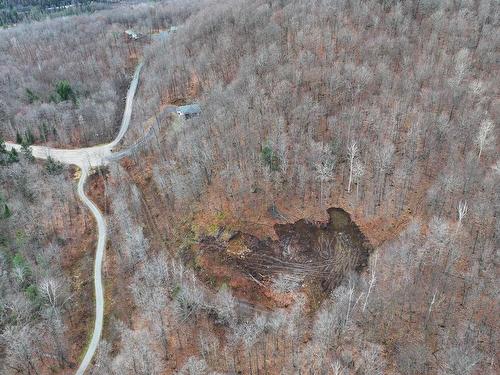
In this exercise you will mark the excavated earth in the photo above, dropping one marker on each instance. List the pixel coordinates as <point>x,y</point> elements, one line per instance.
<point>315,256</point>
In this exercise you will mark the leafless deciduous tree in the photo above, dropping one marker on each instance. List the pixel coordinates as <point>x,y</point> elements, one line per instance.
<point>462,212</point>
<point>103,359</point>
<point>358,171</point>
<point>53,291</point>
<point>461,360</point>
<point>137,355</point>
<point>352,153</point>
<point>485,136</point>
<point>22,349</point>
<point>373,279</point>
<point>324,173</point>
<point>374,362</point>
<point>194,366</point>
<point>225,306</point>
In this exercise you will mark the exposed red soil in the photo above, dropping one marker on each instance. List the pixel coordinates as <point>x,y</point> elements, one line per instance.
<point>216,268</point>
<point>96,189</point>
<point>320,254</point>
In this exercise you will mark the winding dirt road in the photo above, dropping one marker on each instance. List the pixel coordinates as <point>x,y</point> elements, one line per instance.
<point>99,293</point>
<point>86,158</point>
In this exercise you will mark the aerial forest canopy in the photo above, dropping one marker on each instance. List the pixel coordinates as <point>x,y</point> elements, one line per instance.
<point>15,11</point>
<point>331,207</point>
<point>63,80</point>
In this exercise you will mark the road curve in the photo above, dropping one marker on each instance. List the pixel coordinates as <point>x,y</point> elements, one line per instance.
<point>86,158</point>
<point>98,289</point>
<point>101,226</point>
<point>127,113</point>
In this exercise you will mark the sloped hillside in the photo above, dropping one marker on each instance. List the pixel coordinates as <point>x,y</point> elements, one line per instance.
<point>388,110</point>
<point>63,80</point>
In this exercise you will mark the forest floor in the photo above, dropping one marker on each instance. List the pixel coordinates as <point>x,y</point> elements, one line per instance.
<point>77,264</point>
<point>211,230</point>
<point>221,216</point>
<point>200,231</point>
<point>118,300</point>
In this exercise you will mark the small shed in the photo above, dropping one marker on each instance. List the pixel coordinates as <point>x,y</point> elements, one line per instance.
<point>188,111</point>
<point>132,34</point>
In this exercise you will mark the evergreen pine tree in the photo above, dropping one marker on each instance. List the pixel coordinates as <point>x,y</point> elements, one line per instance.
<point>53,167</point>
<point>6,212</point>
<point>43,130</point>
<point>26,149</point>
<point>32,97</point>
<point>19,138</point>
<point>29,137</point>
<point>12,157</point>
